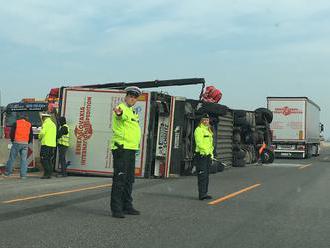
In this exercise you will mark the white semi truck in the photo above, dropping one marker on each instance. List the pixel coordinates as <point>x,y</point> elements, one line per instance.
<point>296,126</point>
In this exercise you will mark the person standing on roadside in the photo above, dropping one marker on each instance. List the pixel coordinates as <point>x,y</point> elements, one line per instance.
<point>203,155</point>
<point>63,142</point>
<point>125,143</point>
<point>47,137</point>
<point>21,135</point>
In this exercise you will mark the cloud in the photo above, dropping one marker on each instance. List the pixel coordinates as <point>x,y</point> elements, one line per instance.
<point>127,26</point>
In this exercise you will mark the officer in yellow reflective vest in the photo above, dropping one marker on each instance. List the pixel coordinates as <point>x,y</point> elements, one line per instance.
<point>125,143</point>
<point>63,142</point>
<point>203,155</point>
<point>47,137</point>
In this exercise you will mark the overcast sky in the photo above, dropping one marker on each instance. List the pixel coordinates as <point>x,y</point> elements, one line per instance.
<point>248,49</point>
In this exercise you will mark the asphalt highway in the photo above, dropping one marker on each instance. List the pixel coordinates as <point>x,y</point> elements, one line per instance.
<point>285,204</point>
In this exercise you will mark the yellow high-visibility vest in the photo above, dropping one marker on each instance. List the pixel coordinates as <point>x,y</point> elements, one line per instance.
<point>47,135</point>
<point>126,129</point>
<point>204,140</point>
<point>65,139</point>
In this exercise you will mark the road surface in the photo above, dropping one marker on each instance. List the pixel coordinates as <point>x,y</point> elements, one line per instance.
<point>285,204</point>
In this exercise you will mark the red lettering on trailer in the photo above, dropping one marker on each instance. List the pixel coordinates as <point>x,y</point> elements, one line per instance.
<point>83,131</point>
<point>287,111</point>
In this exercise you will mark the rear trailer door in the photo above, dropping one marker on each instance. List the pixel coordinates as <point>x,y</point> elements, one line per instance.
<point>89,116</point>
<point>288,119</point>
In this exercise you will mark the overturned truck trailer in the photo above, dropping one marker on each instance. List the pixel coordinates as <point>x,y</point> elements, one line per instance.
<point>252,137</point>
<point>167,123</point>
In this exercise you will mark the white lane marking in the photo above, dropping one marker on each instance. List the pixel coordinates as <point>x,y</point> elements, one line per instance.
<point>283,165</point>
<point>304,166</point>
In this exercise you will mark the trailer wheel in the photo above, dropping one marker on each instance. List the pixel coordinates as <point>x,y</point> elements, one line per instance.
<point>251,138</point>
<point>239,163</point>
<point>253,153</point>
<point>248,156</point>
<point>240,154</point>
<point>315,150</point>
<point>308,152</point>
<point>260,138</point>
<point>263,114</point>
<point>239,113</point>
<point>236,138</point>
<point>268,138</point>
<point>241,121</point>
<point>236,147</point>
<point>212,109</point>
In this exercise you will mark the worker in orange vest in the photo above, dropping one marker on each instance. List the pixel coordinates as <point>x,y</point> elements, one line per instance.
<point>21,135</point>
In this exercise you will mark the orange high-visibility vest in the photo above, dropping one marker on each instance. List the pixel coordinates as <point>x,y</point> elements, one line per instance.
<point>22,131</point>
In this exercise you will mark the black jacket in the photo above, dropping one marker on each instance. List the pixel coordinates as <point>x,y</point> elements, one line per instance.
<point>63,130</point>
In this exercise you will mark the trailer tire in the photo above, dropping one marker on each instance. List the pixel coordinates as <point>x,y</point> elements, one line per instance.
<point>260,138</point>
<point>236,138</point>
<point>241,122</point>
<point>239,163</point>
<point>254,154</point>
<point>239,113</point>
<point>248,156</point>
<point>251,138</point>
<point>263,114</point>
<point>268,138</point>
<point>214,109</point>
<point>236,147</point>
<point>240,154</point>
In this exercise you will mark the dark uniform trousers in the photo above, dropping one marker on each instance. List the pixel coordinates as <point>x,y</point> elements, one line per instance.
<point>202,164</point>
<point>61,157</point>
<point>123,179</point>
<point>46,156</point>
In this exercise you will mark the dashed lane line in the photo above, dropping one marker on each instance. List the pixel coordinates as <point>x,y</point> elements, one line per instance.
<point>225,198</point>
<point>28,198</point>
<point>305,166</point>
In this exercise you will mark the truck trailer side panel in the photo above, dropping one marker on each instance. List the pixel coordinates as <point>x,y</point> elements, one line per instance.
<point>89,116</point>
<point>312,123</point>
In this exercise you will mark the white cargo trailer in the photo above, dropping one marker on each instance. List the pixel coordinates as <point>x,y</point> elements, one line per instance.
<point>295,127</point>
<point>89,116</point>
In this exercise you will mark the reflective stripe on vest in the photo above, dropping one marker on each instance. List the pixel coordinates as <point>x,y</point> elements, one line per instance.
<point>22,131</point>
<point>64,140</point>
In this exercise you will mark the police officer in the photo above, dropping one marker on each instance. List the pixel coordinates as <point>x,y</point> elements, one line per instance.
<point>63,140</point>
<point>203,155</point>
<point>125,143</point>
<point>47,137</point>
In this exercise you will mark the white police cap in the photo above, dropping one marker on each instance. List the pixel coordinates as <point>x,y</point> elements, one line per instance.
<point>45,115</point>
<point>133,90</point>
